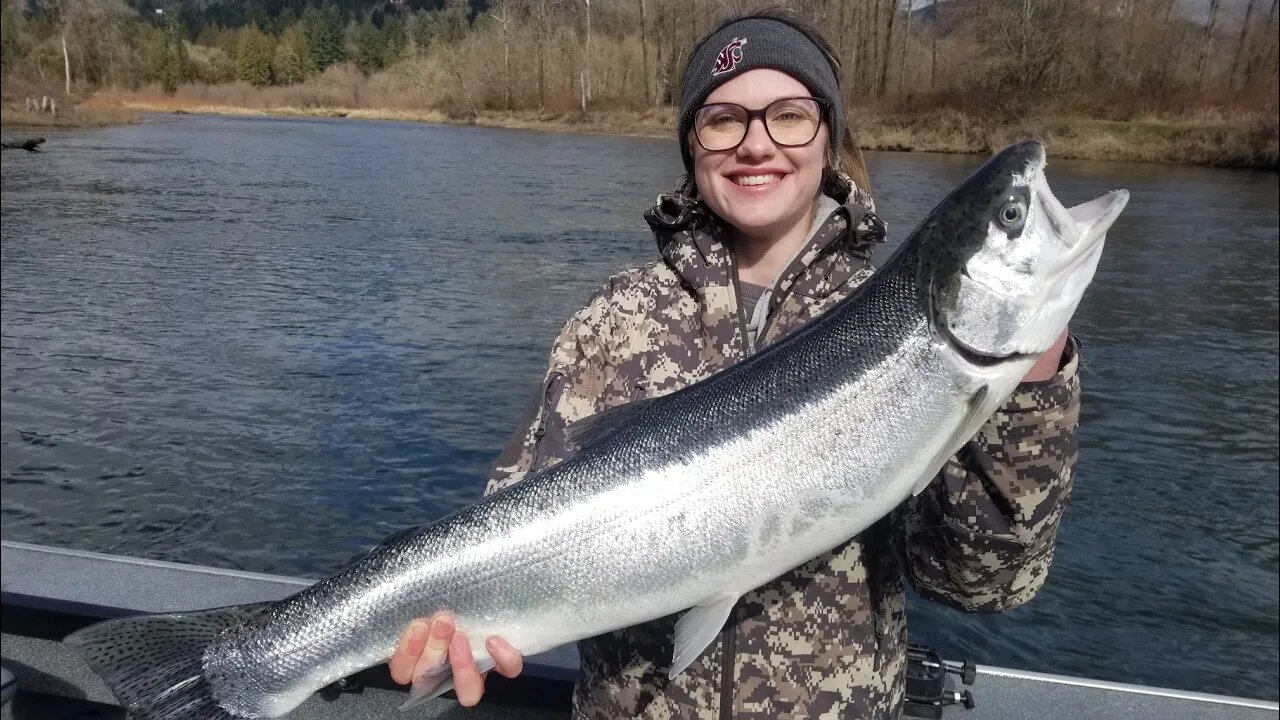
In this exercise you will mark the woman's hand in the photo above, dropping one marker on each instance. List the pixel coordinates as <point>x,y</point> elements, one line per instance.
<point>431,647</point>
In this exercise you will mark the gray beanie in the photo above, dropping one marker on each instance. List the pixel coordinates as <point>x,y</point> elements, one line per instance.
<point>752,43</point>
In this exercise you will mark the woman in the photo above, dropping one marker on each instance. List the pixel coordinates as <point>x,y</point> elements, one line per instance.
<point>772,228</point>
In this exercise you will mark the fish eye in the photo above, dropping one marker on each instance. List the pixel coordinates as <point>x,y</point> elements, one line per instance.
<point>1012,214</point>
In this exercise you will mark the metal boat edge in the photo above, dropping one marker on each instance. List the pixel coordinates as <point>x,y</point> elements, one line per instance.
<point>47,592</point>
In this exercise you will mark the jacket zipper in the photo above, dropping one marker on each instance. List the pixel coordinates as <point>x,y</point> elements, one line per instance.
<point>540,429</point>
<point>727,662</point>
<point>779,298</point>
<point>728,635</point>
<point>749,347</point>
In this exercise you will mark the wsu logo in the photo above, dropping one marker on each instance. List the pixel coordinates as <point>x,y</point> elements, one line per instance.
<point>729,57</point>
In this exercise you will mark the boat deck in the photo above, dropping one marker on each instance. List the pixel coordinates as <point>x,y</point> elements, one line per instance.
<point>48,592</point>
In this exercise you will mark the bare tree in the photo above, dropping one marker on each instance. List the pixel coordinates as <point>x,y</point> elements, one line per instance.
<point>892,13</point>
<point>586,65</point>
<point>500,10</point>
<point>644,50</point>
<point>933,48</point>
<point>66,58</point>
<point>1241,42</point>
<point>906,41</point>
<point>1206,40</point>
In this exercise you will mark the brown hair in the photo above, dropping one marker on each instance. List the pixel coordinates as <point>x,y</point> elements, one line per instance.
<point>849,161</point>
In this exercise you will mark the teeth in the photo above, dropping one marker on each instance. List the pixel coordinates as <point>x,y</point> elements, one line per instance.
<point>756,179</point>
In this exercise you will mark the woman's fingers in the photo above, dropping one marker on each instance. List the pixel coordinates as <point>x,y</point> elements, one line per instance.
<point>507,659</point>
<point>468,683</point>
<point>430,647</point>
<point>411,644</point>
<point>434,653</point>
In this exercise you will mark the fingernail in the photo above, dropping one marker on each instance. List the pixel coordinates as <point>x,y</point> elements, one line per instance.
<point>462,645</point>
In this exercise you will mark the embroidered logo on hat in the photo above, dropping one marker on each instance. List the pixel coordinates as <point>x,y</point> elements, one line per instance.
<point>729,57</point>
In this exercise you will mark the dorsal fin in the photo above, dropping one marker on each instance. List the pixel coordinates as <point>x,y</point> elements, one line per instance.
<point>590,429</point>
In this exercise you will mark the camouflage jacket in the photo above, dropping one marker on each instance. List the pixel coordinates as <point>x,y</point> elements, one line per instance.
<point>827,639</point>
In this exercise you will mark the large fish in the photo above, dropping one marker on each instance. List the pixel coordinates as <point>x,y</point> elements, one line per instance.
<point>683,502</point>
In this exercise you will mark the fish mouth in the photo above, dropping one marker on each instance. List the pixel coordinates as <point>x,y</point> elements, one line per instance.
<point>1081,227</point>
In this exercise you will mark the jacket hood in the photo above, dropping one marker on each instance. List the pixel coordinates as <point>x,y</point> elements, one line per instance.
<point>697,243</point>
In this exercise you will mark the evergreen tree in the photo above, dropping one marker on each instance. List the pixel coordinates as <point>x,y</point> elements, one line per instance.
<point>323,31</point>
<point>254,54</point>
<point>426,29</point>
<point>369,47</point>
<point>395,40</point>
<point>176,66</point>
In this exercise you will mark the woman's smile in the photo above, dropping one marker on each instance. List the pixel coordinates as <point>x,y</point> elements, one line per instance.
<point>757,179</point>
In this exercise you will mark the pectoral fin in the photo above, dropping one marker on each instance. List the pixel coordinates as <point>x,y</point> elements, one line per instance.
<point>434,684</point>
<point>698,627</point>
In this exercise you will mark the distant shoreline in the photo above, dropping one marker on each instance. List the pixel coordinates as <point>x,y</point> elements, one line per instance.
<point>1244,143</point>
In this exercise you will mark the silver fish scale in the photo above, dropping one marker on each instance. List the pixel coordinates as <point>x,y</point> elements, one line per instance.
<point>721,486</point>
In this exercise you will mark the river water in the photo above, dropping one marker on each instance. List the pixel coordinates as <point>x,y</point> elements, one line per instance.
<point>267,343</point>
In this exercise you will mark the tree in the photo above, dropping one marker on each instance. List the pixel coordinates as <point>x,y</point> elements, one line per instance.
<point>644,52</point>
<point>292,60</point>
<point>395,40</point>
<point>12,45</point>
<point>368,47</point>
<point>322,29</point>
<point>66,57</point>
<point>500,11</point>
<point>175,66</point>
<point>455,20</point>
<point>1206,40</point>
<point>254,54</point>
<point>1241,43</point>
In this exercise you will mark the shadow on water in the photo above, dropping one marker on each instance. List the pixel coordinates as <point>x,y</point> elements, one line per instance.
<point>267,344</point>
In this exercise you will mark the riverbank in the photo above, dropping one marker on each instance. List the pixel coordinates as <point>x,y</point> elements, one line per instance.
<point>1203,139</point>
<point>75,117</point>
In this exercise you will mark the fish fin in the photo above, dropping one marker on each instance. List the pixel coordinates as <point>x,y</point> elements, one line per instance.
<point>698,627</point>
<point>435,684</point>
<point>429,686</point>
<point>923,483</point>
<point>590,429</point>
<point>974,417</point>
<point>154,664</point>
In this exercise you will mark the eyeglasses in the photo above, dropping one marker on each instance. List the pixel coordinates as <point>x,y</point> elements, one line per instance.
<point>790,122</point>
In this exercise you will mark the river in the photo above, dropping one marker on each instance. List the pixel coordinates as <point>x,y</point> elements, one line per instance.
<point>267,343</point>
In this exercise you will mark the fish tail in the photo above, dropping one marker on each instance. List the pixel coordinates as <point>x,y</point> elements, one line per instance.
<point>154,664</point>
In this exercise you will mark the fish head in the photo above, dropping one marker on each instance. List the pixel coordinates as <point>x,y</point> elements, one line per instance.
<point>1005,263</point>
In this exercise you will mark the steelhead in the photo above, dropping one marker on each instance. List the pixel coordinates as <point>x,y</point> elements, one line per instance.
<point>679,503</point>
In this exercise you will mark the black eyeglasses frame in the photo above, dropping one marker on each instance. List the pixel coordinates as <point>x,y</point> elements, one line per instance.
<point>761,115</point>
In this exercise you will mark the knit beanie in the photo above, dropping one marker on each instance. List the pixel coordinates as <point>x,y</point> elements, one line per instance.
<point>750,44</point>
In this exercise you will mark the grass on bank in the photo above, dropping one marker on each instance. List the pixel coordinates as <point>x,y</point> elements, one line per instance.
<point>79,116</point>
<point>1200,138</point>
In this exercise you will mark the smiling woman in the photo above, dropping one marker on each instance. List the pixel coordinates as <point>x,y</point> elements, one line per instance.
<point>772,227</point>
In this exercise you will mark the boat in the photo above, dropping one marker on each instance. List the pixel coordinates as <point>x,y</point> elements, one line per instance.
<point>48,592</point>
